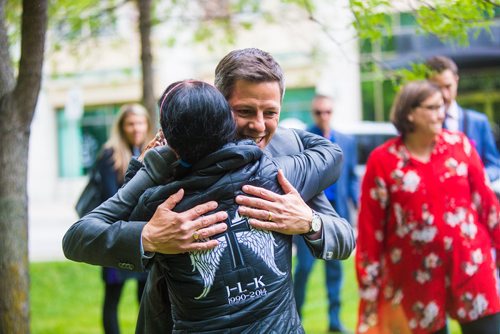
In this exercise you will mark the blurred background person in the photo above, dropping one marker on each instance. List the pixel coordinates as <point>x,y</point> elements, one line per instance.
<point>475,125</point>
<point>339,194</point>
<point>426,226</point>
<point>131,130</point>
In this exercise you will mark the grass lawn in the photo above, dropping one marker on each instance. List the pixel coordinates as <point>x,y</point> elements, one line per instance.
<point>66,298</point>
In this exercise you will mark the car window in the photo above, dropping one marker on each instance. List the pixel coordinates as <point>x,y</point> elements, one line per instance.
<point>367,143</point>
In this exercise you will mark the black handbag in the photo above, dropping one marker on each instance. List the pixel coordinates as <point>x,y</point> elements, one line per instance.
<point>91,196</point>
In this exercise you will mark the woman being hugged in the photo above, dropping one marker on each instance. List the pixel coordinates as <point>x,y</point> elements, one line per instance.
<point>130,132</point>
<point>426,227</point>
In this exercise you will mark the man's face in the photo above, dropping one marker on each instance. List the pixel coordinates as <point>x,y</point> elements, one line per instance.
<point>448,82</point>
<point>322,110</point>
<point>256,110</point>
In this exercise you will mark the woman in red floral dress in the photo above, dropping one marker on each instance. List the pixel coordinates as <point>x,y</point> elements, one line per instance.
<point>427,225</point>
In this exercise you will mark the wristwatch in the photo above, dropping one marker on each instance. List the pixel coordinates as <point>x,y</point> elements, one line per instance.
<point>315,224</point>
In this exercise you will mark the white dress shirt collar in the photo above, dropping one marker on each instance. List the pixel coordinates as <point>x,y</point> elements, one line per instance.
<point>451,120</point>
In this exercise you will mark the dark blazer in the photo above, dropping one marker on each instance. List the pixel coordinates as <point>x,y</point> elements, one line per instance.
<point>347,186</point>
<point>476,127</point>
<point>111,182</point>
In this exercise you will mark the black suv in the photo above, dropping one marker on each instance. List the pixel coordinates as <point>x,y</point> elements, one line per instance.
<point>368,136</point>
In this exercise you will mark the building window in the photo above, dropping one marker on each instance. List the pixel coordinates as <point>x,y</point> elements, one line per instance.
<point>79,142</point>
<point>479,68</point>
<point>297,104</point>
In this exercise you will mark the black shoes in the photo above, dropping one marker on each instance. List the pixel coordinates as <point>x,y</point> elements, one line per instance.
<point>332,330</point>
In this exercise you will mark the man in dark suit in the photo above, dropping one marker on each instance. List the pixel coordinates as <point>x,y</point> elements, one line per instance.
<point>252,82</point>
<point>475,125</point>
<point>339,194</point>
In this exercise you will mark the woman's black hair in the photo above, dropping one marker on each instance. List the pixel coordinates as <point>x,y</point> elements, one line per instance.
<point>196,119</point>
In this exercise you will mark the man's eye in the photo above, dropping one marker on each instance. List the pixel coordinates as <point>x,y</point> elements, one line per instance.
<point>270,113</point>
<point>243,111</point>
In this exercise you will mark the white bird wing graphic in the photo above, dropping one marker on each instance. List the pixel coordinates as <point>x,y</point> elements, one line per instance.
<point>262,244</point>
<point>207,263</point>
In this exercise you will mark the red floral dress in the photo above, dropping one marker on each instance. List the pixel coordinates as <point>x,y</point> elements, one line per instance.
<point>426,232</point>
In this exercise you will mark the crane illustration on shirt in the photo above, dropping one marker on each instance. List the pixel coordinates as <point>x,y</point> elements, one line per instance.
<point>239,232</point>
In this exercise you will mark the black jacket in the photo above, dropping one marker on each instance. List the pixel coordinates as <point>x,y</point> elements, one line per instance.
<point>244,285</point>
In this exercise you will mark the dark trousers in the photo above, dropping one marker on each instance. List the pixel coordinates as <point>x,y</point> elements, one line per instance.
<point>485,325</point>
<point>112,294</point>
<point>333,270</point>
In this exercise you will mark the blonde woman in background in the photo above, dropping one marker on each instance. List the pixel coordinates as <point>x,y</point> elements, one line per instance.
<point>130,133</point>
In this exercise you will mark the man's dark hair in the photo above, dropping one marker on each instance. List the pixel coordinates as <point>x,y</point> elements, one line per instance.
<point>251,65</point>
<point>196,119</point>
<point>439,64</point>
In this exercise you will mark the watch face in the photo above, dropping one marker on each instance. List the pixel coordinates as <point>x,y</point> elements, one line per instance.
<point>316,223</point>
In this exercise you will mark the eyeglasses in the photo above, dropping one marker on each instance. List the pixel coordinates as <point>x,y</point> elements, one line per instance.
<point>434,107</point>
<point>318,112</point>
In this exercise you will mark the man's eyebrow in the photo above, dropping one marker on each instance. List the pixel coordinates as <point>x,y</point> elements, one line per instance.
<point>241,105</point>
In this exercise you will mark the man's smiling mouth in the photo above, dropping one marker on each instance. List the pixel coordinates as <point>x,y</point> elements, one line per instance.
<point>257,140</point>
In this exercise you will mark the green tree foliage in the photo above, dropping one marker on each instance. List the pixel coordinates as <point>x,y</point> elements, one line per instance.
<point>218,21</point>
<point>452,21</point>
<point>370,18</point>
<point>446,19</point>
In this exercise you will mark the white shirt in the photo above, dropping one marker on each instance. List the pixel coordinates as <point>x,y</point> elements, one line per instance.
<point>451,120</point>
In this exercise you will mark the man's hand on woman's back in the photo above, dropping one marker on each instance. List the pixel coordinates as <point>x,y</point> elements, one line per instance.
<point>169,232</point>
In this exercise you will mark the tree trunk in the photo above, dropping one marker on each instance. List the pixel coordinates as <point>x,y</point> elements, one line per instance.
<point>17,105</point>
<point>148,94</point>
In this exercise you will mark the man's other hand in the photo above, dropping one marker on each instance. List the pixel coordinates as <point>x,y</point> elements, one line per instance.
<point>169,232</point>
<point>287,214</point>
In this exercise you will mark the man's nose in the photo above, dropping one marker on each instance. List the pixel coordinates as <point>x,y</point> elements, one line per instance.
<point>446,94</point>
<point>138,127</point>
<point>258,124</point>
